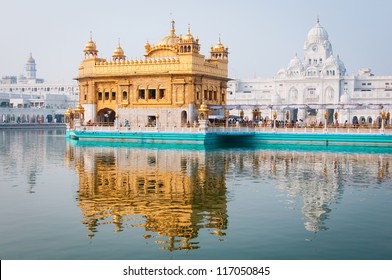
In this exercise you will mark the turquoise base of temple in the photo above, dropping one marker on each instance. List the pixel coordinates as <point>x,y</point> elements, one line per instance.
<point>235,138</point>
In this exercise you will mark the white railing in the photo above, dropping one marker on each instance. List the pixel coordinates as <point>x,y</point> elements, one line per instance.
<point>241,129</point>
<point>140,129</point>
<point>313,130</point>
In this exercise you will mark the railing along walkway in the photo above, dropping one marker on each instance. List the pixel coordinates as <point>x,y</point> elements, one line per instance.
<point>240,129</point>
<point>312,130</point>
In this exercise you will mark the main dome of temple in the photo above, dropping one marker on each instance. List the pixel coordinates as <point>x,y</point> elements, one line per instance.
<point>170,40</point>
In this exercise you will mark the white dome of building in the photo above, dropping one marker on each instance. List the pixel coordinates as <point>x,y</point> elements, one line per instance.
<point>295,62</point>
<point>317,34</point>
<point>31,60</point>
<point>342,68</point>
<point>281,73</point>
<point>331,61</point>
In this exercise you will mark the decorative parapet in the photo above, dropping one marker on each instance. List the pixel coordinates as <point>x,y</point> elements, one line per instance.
<point>163,60</point>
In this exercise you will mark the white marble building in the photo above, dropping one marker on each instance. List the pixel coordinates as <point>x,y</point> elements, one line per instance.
<point>309,87</point>
<point>26,97</point>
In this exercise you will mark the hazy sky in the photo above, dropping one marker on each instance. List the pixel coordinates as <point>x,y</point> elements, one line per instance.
<point>262,36</point>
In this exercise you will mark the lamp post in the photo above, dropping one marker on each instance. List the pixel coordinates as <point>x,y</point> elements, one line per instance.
<point>68,118</point>
<point>326,120</point>
<point>116,120</point>
<point>157,121</point>
<point>227,116</point>
<point>287,118</point>
<point>275,115</point>
<point>383,116</point>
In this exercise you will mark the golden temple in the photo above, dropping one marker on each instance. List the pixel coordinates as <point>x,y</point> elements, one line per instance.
<point>169,84</point>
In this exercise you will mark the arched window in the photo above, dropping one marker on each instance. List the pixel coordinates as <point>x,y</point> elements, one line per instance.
<point>125,95</point>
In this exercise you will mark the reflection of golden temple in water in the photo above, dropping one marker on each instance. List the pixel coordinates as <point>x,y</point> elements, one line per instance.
<point>175,193</point>
<point>169,192</point>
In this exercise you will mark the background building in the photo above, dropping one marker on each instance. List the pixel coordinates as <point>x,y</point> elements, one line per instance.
<point>27,98</point>
<point>307,88</point>
<point>168,85</point>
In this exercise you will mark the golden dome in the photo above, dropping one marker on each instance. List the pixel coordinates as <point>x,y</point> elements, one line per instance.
<point>79,109</point>
<point>68,112</point>
<point>118,52</point>
<point>203,107</point>
<point>170,40</point>
<point>188,36</point>
<point>90,46</point>
<point>219,46</point>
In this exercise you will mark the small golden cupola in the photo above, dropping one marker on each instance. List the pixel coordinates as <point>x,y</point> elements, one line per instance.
<point>188,37</point>
<point>118,54</point>
<point>147,47</point>
<point>188,44</point>
<point>90,49</point>
<point>219,51</point>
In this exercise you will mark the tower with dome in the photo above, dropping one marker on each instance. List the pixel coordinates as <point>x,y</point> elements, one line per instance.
<point>168,85</point>
<point>28,99</point>
<point>309,87</point>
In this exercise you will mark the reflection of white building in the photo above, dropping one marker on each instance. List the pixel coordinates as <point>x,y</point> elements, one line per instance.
<point>318,82</point>
<point>30,93</point>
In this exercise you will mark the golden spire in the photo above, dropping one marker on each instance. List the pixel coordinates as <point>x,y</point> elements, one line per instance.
<point>188,37</point>
<point>90,47</point>
<point>118,52</point>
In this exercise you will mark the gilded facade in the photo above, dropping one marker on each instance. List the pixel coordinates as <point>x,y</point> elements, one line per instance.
<point>168,85</point>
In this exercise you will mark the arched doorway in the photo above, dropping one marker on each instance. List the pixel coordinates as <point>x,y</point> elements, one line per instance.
<point>106,116</point>
<point>355,120</point>
<point>184,117</point>
<point>49,118</point>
